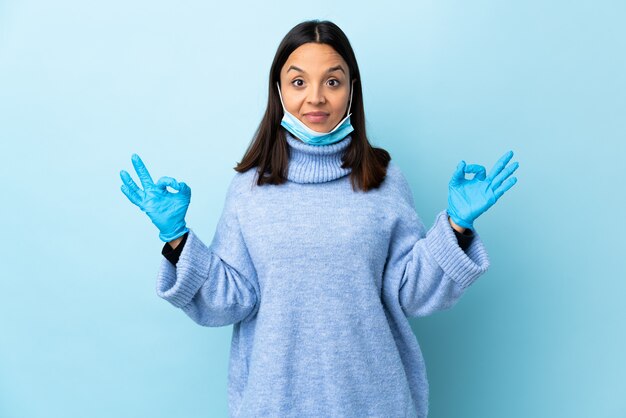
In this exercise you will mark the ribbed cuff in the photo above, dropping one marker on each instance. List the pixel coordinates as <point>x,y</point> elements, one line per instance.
<point>179,285</point>
<point>462,267</point>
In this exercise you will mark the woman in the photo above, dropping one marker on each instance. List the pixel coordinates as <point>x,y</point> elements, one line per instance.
<point>319,257</point>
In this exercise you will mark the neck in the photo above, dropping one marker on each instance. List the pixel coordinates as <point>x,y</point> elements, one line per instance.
<point>316,163</point>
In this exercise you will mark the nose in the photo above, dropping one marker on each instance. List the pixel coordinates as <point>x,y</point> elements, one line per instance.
<point>316,95</point>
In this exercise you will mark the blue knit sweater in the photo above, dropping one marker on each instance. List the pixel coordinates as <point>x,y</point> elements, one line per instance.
<point>318,282</point>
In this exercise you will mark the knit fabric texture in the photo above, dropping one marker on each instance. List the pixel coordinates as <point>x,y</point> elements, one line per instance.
<point>318,281</point>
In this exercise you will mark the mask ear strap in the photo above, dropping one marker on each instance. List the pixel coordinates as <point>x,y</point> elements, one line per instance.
<point>280,95</point>
<point>351,90</point>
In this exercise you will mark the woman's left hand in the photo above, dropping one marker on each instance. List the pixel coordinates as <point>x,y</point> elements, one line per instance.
<point>468,199</point>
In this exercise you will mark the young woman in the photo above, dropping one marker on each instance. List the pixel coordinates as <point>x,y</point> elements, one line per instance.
<point>319,257</point>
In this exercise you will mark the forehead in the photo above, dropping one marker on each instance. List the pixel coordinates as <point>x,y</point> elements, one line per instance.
<point>314,57</point>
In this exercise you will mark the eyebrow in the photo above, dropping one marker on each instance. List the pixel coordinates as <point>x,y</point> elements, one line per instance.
<point>330,70</point>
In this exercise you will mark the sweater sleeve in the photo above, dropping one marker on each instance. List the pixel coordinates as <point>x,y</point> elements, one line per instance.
<point>429,271</point>
<point>214,285</point>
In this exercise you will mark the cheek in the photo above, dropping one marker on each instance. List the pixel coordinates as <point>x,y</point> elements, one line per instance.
<point>293,107</point>
<point>340,107</point>
<point>293,103</point>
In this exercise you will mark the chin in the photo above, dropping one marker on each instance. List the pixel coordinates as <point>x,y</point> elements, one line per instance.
<point>321,128</point>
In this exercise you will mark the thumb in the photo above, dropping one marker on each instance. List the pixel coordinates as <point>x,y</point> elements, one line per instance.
<point>184,189</point>
<point>459,173</point>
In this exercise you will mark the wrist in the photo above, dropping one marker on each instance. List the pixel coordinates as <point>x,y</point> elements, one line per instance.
<point>175,243</point>
<point>457,221</point>
<point>456,227</point>
<point>172,235</point>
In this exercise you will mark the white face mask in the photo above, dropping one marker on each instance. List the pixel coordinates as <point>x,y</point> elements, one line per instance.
<point>308,135</point>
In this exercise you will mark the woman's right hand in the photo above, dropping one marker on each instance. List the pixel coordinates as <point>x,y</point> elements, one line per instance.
<point>166,210</point>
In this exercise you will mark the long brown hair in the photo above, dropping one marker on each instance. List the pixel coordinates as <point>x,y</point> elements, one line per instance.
<point>269,151</point>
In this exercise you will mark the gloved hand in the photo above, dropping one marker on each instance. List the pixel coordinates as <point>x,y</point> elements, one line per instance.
<point>468,199</point>
<point>166,210</point>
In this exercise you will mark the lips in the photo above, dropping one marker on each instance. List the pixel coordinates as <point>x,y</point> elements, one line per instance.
<point>316,117</point>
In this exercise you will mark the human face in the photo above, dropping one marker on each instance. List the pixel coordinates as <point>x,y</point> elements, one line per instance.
<point>315,86</point>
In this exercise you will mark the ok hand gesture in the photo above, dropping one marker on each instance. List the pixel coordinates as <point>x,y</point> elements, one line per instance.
<point>166,210</point>
<point>468,199</point>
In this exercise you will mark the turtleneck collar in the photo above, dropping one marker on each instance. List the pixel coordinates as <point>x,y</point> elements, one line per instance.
<point>315,163</point>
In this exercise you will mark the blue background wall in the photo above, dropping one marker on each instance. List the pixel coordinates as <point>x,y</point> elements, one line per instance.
<point>83,85</point>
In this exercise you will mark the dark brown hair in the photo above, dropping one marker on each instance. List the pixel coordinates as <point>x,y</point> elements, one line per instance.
<point>269,151</point>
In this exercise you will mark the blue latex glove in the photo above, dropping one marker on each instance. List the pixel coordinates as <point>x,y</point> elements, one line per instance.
<point>468,199</point>
<point>166,210</point>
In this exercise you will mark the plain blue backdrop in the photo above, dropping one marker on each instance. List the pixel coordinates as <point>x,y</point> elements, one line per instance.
<point>83,85</point>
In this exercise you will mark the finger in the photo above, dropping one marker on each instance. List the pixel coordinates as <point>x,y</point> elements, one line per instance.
<point>167,181</point>
<point>504,175</point>
<point>478,170</point>
<point>459,173</point>
<point>132,187</point>
<point>506,186</point>
<point>142,172</point>
<point>130,195</point>
<point>500,164</point>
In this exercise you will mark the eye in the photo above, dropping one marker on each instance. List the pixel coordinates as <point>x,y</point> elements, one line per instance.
<point>334,80</point>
